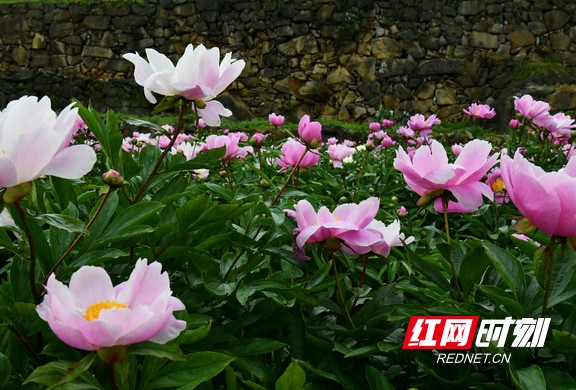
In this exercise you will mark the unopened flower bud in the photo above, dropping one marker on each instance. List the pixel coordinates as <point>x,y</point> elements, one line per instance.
<point>371,190</point>
<point>264,184</point>
<point>200,104</point>
<point>114,354</point>
<point>343,199</point>
<point>17,192</point>
<point>113,178</point>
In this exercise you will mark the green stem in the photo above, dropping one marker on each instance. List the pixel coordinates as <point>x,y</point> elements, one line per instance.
<point>31,243</point>
<point>340,293</point>
<point>449,241</point>
<point>548,264</point>
<point>228,176</point>
<point>179,124</point>
<point>79,237</point>
<point>111,374</point>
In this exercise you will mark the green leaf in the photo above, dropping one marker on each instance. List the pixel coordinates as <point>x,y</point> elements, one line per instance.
<point>529,378</point>
<point>131,216</point>
<point>500,296</point>
<point>377,380</point>
<point>5,370</point>
<point>293,378</point>
<point>557,380</point>
<point>64,222</point>
<point>98,257</point>
<point>509,268</point>
<point>143,123</point>
<point>253,346</point>
<point>428,269</point>
<point>472,270</point>
<point>205,160</point>
<point>60,372</point>
<point>164,351</point>
<point>199,367</point>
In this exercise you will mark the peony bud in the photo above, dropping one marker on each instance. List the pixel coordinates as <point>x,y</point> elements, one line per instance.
<point>113,178</point>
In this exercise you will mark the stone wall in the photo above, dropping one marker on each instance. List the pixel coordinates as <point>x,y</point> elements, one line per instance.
<point>328,58</point>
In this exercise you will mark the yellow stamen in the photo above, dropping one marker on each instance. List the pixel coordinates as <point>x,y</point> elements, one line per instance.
<point>93,311</point>
<point>477,112</point>
<point>498,185</point>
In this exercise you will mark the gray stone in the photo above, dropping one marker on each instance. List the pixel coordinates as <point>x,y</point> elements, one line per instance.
<point>339,76</point>
<point>556,19</point>
<point>39,41</point>
<point>20,55</point>
<point>483,40</point>
<point>471,7</point>
<point>97,22</point>
<point>97,51</point>
<point>389,68</point>
<point>521,37</point>
<point>365,67</point>
<point>61,30</point>
<point>445,96</point>
<point>559,41</point>
<point>386,48</point>
<point>440,66</point>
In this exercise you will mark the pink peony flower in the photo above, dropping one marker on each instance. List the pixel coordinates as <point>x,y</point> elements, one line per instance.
<point>346,224</point>
<point>292,151</point>
<point>482,111</point>
<point>257,139</point>
<point>91,313</point>
<point>514,123</point>
<point>34,142</point>
<point>546,199</point>
<point>276,120</point>
<point>374,126</point>
<point>429,173</point>
<point>405,132</point>
<point>419,123</point>
<point>494,180</point>
<point>457,149</point>
<point>310,132</point>
<point>387,123</point>
<point>198,75</point>
<point>214,141</point>
<point>402,211</point>
<point>530,108</point>
<point>338,153</point>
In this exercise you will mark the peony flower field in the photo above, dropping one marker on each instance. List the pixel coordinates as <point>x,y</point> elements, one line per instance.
<point>188,255</point>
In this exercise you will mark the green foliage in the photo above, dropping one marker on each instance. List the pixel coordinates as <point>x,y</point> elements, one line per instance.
<point>258,316</point>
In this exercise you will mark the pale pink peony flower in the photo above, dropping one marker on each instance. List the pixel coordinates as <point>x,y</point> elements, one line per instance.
<point>332,141</point>
<point>310,132</point>
<point>560,124</point>
<point>482,111</point>
<point>198,75</point>
<point>338,153</point>
<point>429,172</point>
<point>346,224</point>
<point>390,236</point>
<point>276,120</point>
<point>91,313</point>
<point>546,199</point>
<point>34,142</point>
<point>387,123</point>
<point>292,151</point>
<point>530,108</point>
<point>419,122</point>
<point>524,237</point>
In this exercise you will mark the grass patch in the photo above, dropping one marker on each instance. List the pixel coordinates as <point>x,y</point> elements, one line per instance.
<point>524,69</point>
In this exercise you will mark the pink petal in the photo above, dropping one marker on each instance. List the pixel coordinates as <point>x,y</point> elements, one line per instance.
<point>90,285</point>
<point>71,163</point>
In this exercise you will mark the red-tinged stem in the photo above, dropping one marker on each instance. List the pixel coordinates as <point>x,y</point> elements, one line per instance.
<point>364,266</point>
<point>73,245</point>
<point>340,293</point>
<point>175,134</point>
<point>289,178</point>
